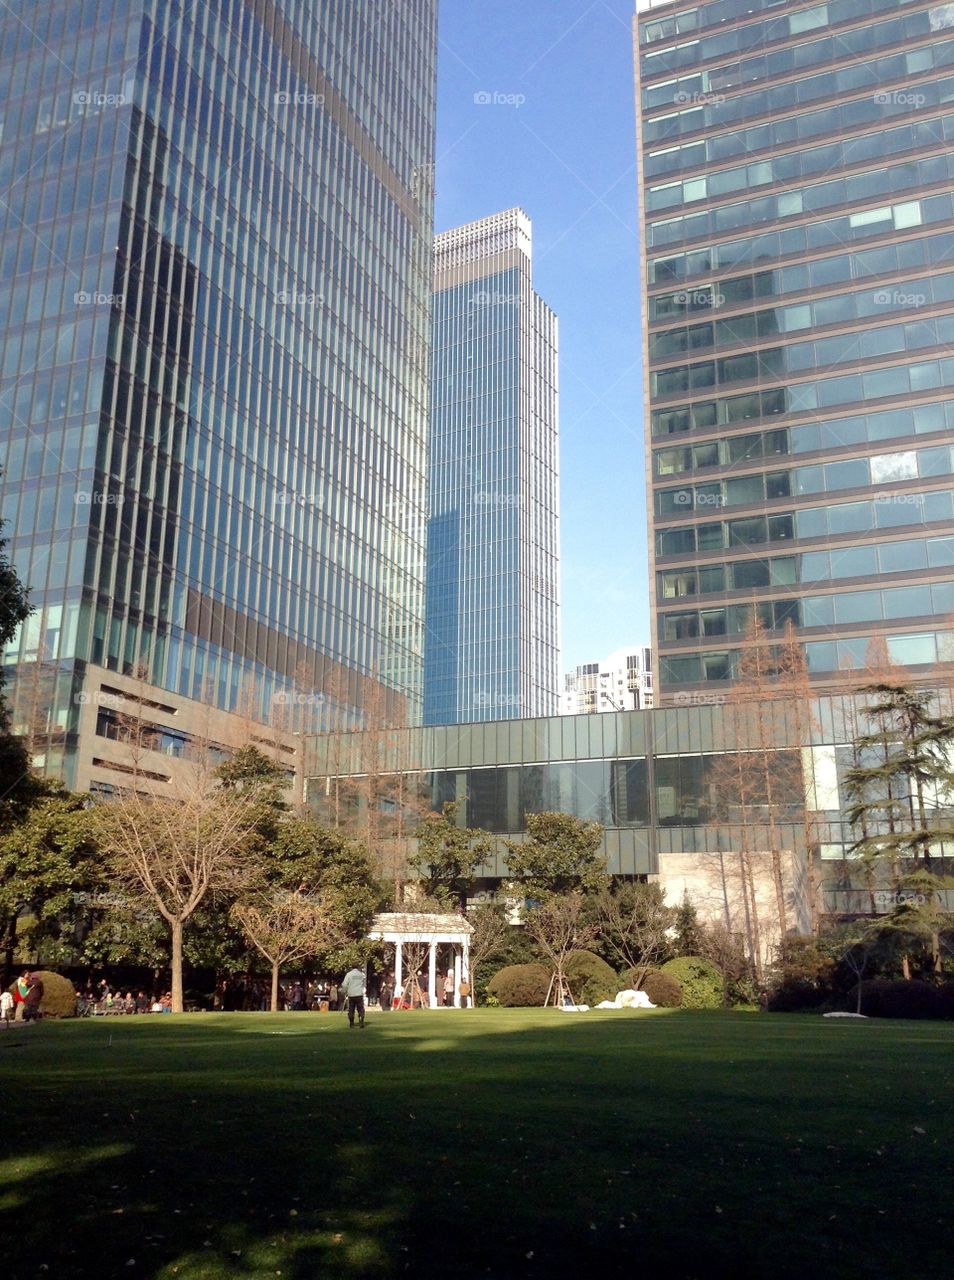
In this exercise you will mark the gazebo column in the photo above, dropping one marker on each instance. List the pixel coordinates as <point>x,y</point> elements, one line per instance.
<point>457,977</point>
<point>398,968</point>
<point>466,971</point>
<point>432,974</point>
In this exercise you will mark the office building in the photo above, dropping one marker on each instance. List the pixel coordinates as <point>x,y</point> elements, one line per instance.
<point>492,638</point>
<point>622,682</point>
<point>215,248</point>
<point>797,209</point>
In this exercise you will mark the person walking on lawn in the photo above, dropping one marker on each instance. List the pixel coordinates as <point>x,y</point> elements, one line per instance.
<point>353,987</point>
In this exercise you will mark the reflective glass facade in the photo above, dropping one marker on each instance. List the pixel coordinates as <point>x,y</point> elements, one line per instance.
<point>491,648</point>
<point>797,203</point>
<point>214,320</point>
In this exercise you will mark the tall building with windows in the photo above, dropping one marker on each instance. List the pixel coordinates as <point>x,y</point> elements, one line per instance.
<point>215,250</point>
<point>621,682</point>
<point>797,207</point>
<point>492,637</point>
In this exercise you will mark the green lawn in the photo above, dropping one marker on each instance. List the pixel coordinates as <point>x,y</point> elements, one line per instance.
<point>502,1143</point>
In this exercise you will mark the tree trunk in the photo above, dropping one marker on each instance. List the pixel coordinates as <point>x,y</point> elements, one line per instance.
<point>178,1004</point>
<point>275,987</point>
<point>779,889</point>
<point>858,1005</point>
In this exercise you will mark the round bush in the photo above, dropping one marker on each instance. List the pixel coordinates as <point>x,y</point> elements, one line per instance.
<point>520,986</point>
<point>898,998</point>
<point>59,997</point>
<point>794,994</point>
<point>591,979</point>
<point>700,980</point>
<point>663,989</point>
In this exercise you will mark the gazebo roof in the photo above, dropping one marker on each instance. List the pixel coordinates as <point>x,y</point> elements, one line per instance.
<point>420,926</point>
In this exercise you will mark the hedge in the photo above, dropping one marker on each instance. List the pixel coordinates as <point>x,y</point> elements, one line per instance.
<point>663,989</point>
<point>590,978</point>
<point>519,986</point>
<point>700,980</point>
<point>898,998</point>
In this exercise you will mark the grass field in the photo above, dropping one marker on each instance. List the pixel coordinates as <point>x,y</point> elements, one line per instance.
<point>502,1143</point>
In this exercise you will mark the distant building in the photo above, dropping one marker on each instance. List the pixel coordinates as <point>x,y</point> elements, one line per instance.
<point>491,648</point>
<point>622,682</point>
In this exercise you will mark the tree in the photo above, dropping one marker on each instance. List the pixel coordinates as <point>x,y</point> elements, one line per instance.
<point>250,773</point>
<point>558,926</point>
<point>560,854</point>
<point>48,860</point>
<point>635,924</point>
<point>687,932</point>
<point>312,859</point>
<point>174,852</point>
<point>726,951</point>
<point>448,855</point>
<point>491,930</point>
<point>17,787</point>
<point>286,928</point>
<point>899,785</point>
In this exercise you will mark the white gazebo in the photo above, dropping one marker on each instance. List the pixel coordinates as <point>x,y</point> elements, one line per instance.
<point>419,929</point>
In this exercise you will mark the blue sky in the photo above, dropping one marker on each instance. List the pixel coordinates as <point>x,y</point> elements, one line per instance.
<point>565,154</point>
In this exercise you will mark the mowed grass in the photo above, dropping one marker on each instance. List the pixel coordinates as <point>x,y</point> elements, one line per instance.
<point>503,1143</point>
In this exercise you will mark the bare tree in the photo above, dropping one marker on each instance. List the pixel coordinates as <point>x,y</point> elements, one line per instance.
<point>635,921</point>
<point>558,927</point>
<point>490,927</point>
<point>286,928</point>
<point>726,950</point>
<point>175,851</point>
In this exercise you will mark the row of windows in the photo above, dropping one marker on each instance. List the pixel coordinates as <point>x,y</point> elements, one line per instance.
<point>849,607</point>
<point>847,473</point>
<point>823,657</point>
<point>826,234</point>
<point>772,67</point>
<point>755,35</point>
<point>800,278</point>
<point>771,362</point>
<point>838,308</point>
<point>892,424</point>
<point>825,393</point>
<point>909,555</point>
<point>837,120</point>
<point>888,511</point>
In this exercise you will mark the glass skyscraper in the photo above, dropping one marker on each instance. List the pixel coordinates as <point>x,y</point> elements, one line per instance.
<point>797,205</point>
<point>215,251</point>
<point>492,643</point>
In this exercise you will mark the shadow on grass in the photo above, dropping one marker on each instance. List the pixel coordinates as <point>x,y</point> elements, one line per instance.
<point>502,1144</point>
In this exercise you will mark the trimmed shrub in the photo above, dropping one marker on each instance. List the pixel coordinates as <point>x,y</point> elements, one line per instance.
<point>520,986</point>
<point>59,997</point>
<point>663,989</point>
<point>700,980</point>
<point>591,979</point>
<point>795,994</point>
<point>898,998</point>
